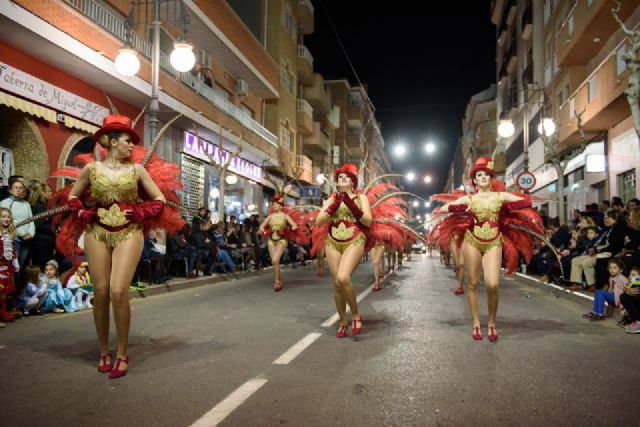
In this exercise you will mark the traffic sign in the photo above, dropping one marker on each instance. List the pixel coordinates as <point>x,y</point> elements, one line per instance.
<point>311,192</point>
<point>525,180</point>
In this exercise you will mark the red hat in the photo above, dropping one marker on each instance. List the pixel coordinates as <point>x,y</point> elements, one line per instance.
<point>117,123</point>
<point>483,164</point>
<point>351,170</point>
<point>279,199</point>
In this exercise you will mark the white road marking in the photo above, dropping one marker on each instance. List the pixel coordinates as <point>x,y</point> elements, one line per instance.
<point>297,348</point>
<point>228,405</point>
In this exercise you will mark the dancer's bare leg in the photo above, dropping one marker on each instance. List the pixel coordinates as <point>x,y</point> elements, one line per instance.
<point>473,263</point>
<point>99,257</point>
<point>348,263</point>
<point>333,259</point>
<point>491,263</point>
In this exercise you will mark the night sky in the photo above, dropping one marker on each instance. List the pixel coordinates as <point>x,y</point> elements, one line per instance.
<point>421,69</point>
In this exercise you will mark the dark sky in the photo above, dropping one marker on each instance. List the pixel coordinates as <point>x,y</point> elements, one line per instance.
<point>421,69</point>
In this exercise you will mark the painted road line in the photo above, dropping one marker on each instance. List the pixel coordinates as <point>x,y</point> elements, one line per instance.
<point>297,348</point>
<point>228,405</point>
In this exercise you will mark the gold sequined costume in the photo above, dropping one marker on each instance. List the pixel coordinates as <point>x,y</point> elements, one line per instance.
<point>345,230</point>
<point>484,234</point>
<point>113,199</point>
<point>278,225</point>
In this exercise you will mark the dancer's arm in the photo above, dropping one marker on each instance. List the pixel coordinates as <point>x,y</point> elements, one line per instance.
<point>291,222</point>
<point>462,202</point>
<point>264,224</point>
<point>508,197</point>
<point>82,183</point>
<point>328,208</point>
<point>366,217</point>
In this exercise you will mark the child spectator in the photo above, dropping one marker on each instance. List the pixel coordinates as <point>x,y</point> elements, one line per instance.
<point>584,262</point>
<point>59,299</point>
<point>8,264</point>
<point>630,300</point>
<point>617,286</point>
<point>79,284</point>
<point>34,296</point>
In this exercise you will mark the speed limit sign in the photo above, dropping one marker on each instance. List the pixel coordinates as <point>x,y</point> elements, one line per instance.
<point>526,180</point>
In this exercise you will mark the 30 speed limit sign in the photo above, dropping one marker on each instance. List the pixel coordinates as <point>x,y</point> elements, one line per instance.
<point>526,180</point>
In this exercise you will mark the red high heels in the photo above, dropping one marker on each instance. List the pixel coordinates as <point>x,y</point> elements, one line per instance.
<point>342,331</point>
<point>354,329</point>
<point>277,287</point>
<point>116,372</point>
<point>492,334</point>
<point>459,291</point>
<point>376,287</point>
<point>103,366</point>
<point>477,335</point>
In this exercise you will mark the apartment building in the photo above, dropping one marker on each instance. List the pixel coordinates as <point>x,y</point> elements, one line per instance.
<point>57,60</point>
<point>559,58</point>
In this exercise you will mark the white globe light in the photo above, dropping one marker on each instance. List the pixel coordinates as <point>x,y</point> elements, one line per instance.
<point>548,126</point>
<point>411,176</point>
<point>415,203</point>
<point>231,179</point>
<point>418,217</point>
<point>182,57</point>
<point>321,178</point>
<point>506,128</point>
<point>430,148</point>
<point>400,150</point>
<point>427,179</point>
<point>427,204</point>
<point>127,62</point>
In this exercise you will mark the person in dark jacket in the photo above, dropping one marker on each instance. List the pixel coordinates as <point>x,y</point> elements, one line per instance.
<point>615,234</point>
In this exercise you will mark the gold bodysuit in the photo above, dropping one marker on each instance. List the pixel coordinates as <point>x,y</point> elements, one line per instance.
<point>113,199</point>
<point>484,233</point>
<point>277,225</point>
<point>345,230</point>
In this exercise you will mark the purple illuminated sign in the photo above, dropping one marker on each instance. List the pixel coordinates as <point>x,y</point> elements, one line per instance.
<point>237,165</point>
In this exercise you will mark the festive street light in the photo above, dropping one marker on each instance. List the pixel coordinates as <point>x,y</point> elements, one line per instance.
<point>231,179</point>
<point>182,58</point>
<point>321,178</point>
<point>399,150</point>
<point>127,62</point>
<point>411,176</point>
<point>427,204</point>
<point>430,148</point>
<point>506,128</point>
<point>427,179</point>
<point>548,126</point>
<point>415,203</point>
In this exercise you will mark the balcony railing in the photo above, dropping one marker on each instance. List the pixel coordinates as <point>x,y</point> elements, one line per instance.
<point>308,4</point>
<point>304,106</point>
<point>115,25</point>
<point>303,52</point>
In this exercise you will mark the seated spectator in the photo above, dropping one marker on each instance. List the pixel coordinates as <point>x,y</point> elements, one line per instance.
<point>617,286</point>
<point>239,248</point>
<point>577,217</point>
<point>584,264</point>
<point>43,244</point>
<point>545,258</point>
<point>630,300</point>
<point>59,299</point>
<point>179,247</point>
<point>20,210</point>
<point>34,296</point>
<point>222,244</point>
<point>582,248</point>
<point>612,246</point>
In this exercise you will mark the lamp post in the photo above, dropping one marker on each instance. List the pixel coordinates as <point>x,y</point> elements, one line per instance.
<point>182,57</point>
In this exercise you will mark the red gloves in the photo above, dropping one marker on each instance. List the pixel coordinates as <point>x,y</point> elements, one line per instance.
<point>333,207</point>
<point>85,215</point>
<point>458,208</point>
<point>145,210</point>
<point>518,204</point>
<point>351,204</point>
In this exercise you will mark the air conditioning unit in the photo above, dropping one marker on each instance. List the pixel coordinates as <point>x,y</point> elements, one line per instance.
<point>242,87</point>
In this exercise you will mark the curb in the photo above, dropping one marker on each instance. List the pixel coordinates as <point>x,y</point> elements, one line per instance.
<point>553,285</point>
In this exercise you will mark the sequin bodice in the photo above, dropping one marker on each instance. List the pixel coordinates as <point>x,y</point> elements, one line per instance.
<point>107,191</point>
<point>485,211</point>
<point>277,223</point>
<point>344,213</point>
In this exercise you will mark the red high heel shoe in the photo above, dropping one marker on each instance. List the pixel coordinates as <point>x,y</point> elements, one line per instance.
<point>376,287</point>
<point>103,366</point>
<point>116,372</point>
<point>342,331</point>
<point>477,335</point>
<point>492,334</point>
<point>459,291</point>
<point>277,287</point>
<point>354,330</point>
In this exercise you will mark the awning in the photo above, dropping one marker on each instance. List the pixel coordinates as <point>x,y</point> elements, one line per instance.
<point>27,107</point>
<point>72,122</point>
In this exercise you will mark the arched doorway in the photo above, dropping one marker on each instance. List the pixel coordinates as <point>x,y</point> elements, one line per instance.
<point>20,137</point>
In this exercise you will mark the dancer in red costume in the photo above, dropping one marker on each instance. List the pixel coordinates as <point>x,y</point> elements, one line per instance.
<point>113,201</point>
<point>279,227</point>
<point>348,225</point>
<point>489,225</point>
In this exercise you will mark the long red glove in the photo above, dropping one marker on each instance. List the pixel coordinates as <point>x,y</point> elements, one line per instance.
<point>351,204</point>
<point>458,208</point>
<point>518,204</point>
<point>85,215</point>
<point>333,207</point>
<point>145,210</point>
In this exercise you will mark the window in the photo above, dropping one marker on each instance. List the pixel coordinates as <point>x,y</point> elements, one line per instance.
<point>288,21</point>
<point>287,79</point>
<point>285,136</point>
<point>621,64</point>
<point>572,108</point>
<point>592,89</point>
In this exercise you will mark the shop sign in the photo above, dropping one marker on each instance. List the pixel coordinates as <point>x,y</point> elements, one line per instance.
<point>237,165</point>
<point>28,86</point>
<point>310,192</point>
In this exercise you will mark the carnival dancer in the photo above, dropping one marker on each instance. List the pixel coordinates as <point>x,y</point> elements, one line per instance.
<point>112,202</point>
<point>8,263</point>
<point>494,224</point>
<point>278,227</point>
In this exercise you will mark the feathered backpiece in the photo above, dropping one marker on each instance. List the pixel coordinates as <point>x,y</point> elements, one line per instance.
<point>302,233</point>
<point>166,176</point>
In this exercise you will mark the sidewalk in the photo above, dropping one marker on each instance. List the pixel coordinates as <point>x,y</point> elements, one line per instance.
<point>580,294</point>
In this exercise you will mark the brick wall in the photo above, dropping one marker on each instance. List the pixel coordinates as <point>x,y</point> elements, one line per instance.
<point>29,154</point>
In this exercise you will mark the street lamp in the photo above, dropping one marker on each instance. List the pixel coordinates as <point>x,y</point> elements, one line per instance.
<point>400,150</point>
<point>182,58</point>
<point>411,176</point>
<point>427,204</point>
<point>427,179</point>
<point>547,126</point>
<point>231,179</point>
<point>321,178</point>
<point>415,203</point>
<point>430,148</point>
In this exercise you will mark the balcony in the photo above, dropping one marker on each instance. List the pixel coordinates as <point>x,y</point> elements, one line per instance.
<point>305,65</point>
<point>318,95</point>
<point>318,142</point>
<point>355,116</point>
<point>527,22</point>
<point>583,25</point>
<point>304,117</point>
<point>305,16</point>
<point>115,26</point>
<point>304,169</point>
<point>355,144</point>
<point>513,56</point>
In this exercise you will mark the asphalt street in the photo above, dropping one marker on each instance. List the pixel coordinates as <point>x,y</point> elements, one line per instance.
<point>205,355</point>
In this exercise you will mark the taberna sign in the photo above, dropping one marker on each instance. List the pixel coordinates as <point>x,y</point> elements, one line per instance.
<point>23,84</point>
<point>237,165</point>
